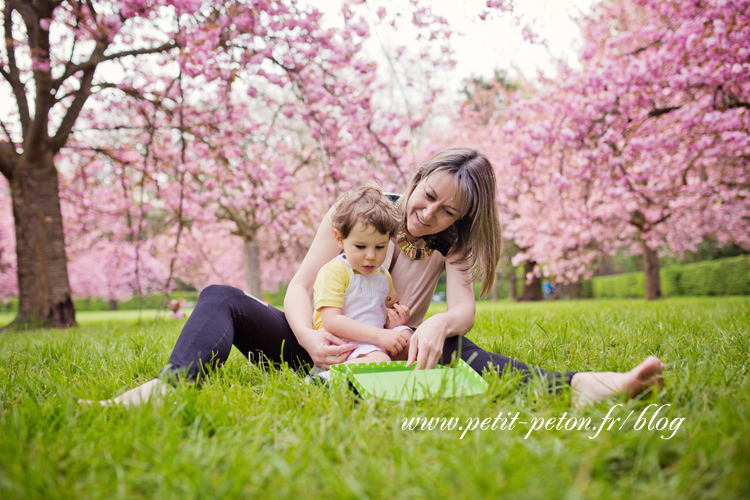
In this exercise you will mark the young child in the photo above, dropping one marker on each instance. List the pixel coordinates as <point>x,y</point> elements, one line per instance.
<point>350,291</point>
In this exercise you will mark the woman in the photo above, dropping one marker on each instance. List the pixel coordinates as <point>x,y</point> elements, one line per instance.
<point>450,223</point>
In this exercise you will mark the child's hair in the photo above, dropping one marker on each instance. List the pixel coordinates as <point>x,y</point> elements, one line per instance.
<point>366,204</point>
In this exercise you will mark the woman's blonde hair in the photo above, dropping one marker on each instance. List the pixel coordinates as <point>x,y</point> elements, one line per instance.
<point>366,204</point>
<point>476,237</point>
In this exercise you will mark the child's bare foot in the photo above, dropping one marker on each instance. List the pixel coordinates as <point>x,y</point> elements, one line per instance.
<point>134,397</point>
<point>592,387</point>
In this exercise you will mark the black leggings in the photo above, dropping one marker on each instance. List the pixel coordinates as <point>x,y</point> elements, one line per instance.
<point>225,316</point>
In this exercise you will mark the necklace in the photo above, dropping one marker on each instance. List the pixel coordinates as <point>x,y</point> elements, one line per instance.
<point>412,252</point>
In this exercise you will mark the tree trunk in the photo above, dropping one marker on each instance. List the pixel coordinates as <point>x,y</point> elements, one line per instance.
<point>570,290</point>
<point>252,268</point>
<point>606,266</point>
<point>651,268</point>
<point>44,294</point>
<point>512,285</point>
<point>498,278</point>
<point>532,289</point>
<point>112,305</point>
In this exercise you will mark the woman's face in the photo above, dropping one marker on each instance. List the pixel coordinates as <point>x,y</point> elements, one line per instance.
<point>432,206</point>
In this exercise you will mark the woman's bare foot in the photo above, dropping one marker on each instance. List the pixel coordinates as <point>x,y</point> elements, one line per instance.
<point>592,387</point>
<point>134,397</point>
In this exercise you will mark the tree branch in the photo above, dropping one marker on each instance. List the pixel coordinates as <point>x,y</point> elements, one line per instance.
<point>662,111</point>
<point>7,133</point>
<point>8,159</point>
<point>39,46</point>
<point>637,219</point>
<point>729,100</point>
<point>303,162</point>
<point>66,126</point>
<point>13,75</point>
<point>84,90</point>
<point>690,166</point>
<point>632,188</point>
<point>665,217</point>
<point>637,51</point>
<point>95,59</point>
<point>129,91</point>
<point>92,10</point>
<point>388,151</point>
<point>244,228</point>
<point>69,63</point>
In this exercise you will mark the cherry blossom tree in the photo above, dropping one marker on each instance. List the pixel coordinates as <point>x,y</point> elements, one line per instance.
<point>644,149</point>
<point>183,67</point>
<point>51,52</point>
<point>116,272</point>
<point>266,157</point>
<point>98,266</point>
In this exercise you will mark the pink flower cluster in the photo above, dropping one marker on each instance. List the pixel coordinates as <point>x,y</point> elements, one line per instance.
<point>226,122</point>
<point>650,141</point>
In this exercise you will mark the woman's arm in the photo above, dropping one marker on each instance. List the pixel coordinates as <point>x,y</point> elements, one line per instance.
<point>324,348</point>
<point>426,344</point>
<point>334,321</point>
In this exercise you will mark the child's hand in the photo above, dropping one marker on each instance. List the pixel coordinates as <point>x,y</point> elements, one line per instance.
<point>394,341</point>
<point>397,316</point>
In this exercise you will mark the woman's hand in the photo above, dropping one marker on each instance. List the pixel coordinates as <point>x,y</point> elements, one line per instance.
<point>397,316</point>
<point>325,349</point>
<point>426,344</point>
<point>428,340</point>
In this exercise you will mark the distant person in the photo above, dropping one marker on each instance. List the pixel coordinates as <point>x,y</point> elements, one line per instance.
<point>176,306</point>
<point>449,223</point>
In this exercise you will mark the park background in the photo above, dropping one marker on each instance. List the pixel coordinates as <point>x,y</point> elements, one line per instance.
<point>149,149</point>
<point>152,149</point>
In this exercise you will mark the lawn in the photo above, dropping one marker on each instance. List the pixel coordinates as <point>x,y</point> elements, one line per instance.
<point>254,433</point>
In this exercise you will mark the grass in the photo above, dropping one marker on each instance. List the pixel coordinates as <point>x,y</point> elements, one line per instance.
<point>249,432</point>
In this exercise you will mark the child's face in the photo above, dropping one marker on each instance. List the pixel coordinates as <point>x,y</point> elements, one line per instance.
<point>365,248</point>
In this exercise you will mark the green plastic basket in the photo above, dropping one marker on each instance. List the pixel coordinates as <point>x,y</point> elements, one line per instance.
<point>395,381</point>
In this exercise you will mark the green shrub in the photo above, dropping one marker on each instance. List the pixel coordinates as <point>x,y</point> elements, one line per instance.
<point>276,299</point>
<point>619,286</point>
<point>729,276</point>
<point>587,289</point>
<point>9,305</point>
<point>191,296</point>
<point>718,277</point>
<point>152,301</point>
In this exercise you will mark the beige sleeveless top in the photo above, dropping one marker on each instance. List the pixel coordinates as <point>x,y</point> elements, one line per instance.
<point>414,280</point>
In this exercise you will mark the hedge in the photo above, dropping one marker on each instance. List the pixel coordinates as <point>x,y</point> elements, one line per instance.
<point>729,276</point>
<point>152,301</point>
<point>619,286</point>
